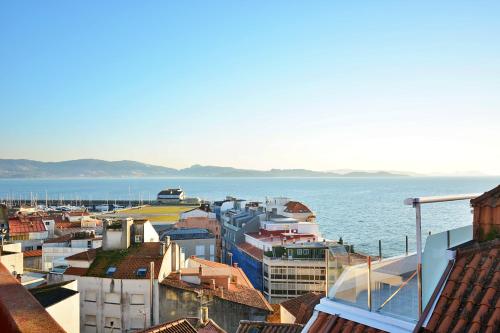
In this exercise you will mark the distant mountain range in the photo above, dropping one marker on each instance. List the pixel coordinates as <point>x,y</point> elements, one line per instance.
<point>21,168</point>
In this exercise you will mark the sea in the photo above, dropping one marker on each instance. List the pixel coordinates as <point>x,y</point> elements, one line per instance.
<point>361,210</point>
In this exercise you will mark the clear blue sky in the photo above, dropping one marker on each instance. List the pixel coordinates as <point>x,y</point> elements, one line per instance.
<point>399,85</point>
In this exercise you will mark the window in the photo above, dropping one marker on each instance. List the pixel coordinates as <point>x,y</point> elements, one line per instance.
<point>138,238</point>
<point>141,272</point>
<point>89,244</point>
<point>137,299</point>
<point>111,270</point>
<point>212,249</point>
<point>90,296</point>
<point>112,298</point>
<point>47,223</point>
<point>306,252</point>
<point>90,320</point>
<point>299,252</point>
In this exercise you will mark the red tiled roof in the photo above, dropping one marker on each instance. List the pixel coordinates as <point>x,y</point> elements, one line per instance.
<point>127,265</point>
<point>210,327</point>
<point>64,225</point>
<point>32,253</point>
<point>327,323</point>
<point>237,294</point>
<point>88,255</point>
<point>23,226</point>
<point>75,271</point>
<point>296,207</point>
<point>235,271</point>
<point>20,311</point>
<point>251,250</point>
<point>470,300</point>
<point>302,307</point>
<point>61,239</point>
<point>490,198</point>
<point>247,326</point>
<point>176,326</point>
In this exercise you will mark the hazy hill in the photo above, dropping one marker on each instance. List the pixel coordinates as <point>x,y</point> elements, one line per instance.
<point>10,168</point>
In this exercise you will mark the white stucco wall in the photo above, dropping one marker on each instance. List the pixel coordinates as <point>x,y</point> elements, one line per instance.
<point>67,311</point>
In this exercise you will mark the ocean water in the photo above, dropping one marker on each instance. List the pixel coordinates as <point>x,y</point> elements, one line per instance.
<point>360,210</point>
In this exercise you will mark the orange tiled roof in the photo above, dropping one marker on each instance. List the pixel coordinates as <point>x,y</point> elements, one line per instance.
<point>76,271</point>
<point>470,299</point>
<point>251,250</point>
<point>296,207</point>
<point>247,326</point>
<point>88,255</point>
<point>490,198</point>
<point>175,326</point>
<point>235,271</point>
<point>237,293</point>
<point>32,253</point>
<point>24,226</point>
<point>302,307</point>
<point>327,323</point>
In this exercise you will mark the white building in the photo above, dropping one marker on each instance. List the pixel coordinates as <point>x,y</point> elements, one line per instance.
<point>54,251</point>
<point>119,293</point>
<point>171,195</point>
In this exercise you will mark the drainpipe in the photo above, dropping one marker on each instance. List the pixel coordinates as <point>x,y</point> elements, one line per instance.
<point>151,286</point>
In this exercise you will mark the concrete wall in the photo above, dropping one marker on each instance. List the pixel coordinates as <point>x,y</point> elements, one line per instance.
<point>97,303</point>
<point>188,246</point>
<point>13,261</point>
<point>176,303</point>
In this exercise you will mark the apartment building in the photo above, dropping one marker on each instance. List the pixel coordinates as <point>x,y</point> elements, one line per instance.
<point>119,282</point>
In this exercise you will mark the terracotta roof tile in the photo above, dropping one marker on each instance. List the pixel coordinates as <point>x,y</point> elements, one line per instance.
<point>126,262</point>
<point>327,323</point>
<point>302,307</point>
<point>247,326</point>
<point>23,226</point>
<point>176,326</point>
<point>237,294</point>
<point>88,255</point>
<point>19,310</point>
<point>75,271</point>
<point>470,298</point>
<point>32,253</point>
<point>251,250</point>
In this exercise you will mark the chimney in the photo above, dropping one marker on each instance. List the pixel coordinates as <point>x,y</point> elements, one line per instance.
<point>221,290</point>
<point>163,248</point>
<point>204,314</point>
<point>212,285</point>
<point>486,220</point>
<point>200,271</point>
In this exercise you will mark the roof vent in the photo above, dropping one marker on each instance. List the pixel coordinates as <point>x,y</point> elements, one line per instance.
<point>141,272</point>
<point>111,270</point>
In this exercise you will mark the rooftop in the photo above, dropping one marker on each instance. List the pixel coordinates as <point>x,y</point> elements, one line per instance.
<point>32,253</point>
<point>126,262</point>
<point>328,323</point>
<point>188,233</point>
<point>302,307</point>
<point>24,226</point>
<point>20,311</point>
<point>175,326</point>
<point>247,326</point>
<point>53,293</point>
<point>251,250</point>
<point>470,299</point>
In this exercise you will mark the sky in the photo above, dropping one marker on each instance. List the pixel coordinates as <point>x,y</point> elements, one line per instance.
<point>321,85</point>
